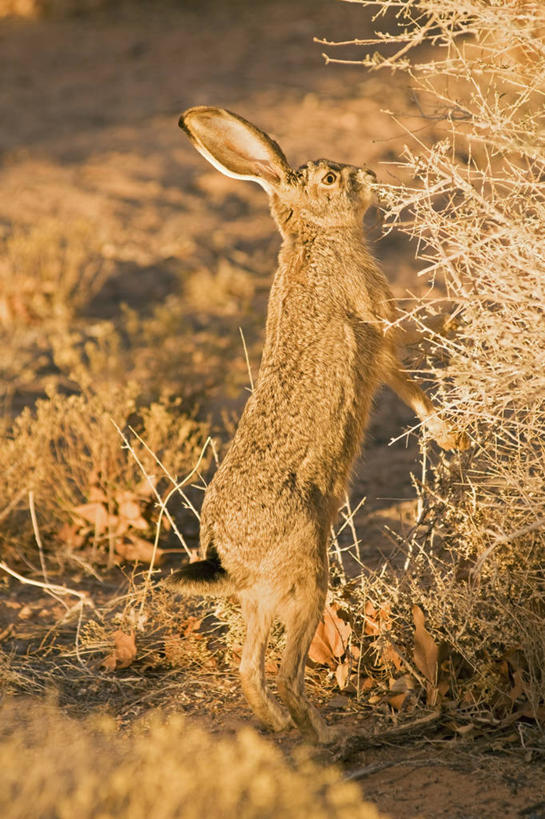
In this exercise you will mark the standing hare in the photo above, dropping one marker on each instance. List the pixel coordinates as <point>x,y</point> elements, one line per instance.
<point>267,513</point>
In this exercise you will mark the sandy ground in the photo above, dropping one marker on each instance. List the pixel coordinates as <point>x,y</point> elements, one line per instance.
<point>88,129</point>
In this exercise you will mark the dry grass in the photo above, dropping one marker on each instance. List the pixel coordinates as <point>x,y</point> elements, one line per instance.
<point>92,499</point>
<point>51,765</point>
<point>49,272</point>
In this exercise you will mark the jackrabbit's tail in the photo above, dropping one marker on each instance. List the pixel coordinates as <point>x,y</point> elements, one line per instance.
<point>202,577</point>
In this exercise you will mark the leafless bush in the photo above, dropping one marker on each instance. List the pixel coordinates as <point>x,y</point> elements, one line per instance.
<point>476,208</point>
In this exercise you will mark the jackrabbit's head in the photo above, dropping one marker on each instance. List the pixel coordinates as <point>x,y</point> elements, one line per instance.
<point>323,193</point>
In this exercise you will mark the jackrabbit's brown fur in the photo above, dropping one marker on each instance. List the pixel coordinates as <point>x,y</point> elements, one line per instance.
<point>267,513</point>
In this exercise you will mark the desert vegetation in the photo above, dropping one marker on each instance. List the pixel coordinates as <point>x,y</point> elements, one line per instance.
<point>160,768</point>
<point>124,371</point>
<point>473,203</point>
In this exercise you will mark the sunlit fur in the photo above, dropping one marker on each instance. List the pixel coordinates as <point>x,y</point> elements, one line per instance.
<point>267,513</point>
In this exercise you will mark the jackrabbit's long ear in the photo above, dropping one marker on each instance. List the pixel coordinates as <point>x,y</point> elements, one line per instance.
<point>234,146</point>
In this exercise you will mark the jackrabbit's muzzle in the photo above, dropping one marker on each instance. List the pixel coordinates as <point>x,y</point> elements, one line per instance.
<point>366,177</point>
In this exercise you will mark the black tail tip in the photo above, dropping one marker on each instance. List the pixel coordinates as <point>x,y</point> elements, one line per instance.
<point>202,571</point>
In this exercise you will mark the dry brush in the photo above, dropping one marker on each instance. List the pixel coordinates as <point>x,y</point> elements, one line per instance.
<point>473,201</point>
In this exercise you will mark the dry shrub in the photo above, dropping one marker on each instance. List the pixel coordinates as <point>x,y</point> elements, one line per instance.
<point>49,272</point>
<point>226,292</point>
<point>476,207</point>
<point>54,766</point>
<point>89,493</point>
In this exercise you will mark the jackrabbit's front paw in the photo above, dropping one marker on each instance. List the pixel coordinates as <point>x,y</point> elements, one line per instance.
<point>451,438</point>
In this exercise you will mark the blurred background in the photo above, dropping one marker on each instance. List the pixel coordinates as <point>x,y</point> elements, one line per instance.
<point>177,257</point>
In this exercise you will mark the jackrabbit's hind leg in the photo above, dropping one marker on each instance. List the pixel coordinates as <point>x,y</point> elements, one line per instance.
<point>301,618</point>
<point>258,620</point>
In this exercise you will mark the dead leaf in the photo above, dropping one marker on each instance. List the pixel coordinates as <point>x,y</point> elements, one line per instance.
<point>342,672</point>
<point>400,690</point>
<point>371,625</point>
<point>330,640</point>
<point>136,548</point>
<point>425,655</point>
<point>398,700</point>
<point>443,686</point>
<point>98,495</point>
<point>71,536</point>
<point>355,651</point>
<point>190,625</point>
<point>129,508</point>
<point>377,620</point>
<point>124,651</point>
<point>94,513</point>
<point>399,685</point>
<point>25,612</point>
<point>366,683</point>
<point>319,651</point>
<point>389,656</point>
<point>119,526</point>
<point>337,630</point>
<point>426,652</point>
<point>131,511</point>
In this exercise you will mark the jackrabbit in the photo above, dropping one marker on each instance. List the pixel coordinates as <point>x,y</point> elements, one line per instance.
<point>267,513</point>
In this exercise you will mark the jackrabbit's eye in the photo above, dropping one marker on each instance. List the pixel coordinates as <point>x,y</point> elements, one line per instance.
<point>329,178</point>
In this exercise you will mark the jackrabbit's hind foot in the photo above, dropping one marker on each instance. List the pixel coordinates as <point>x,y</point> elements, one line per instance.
<point>310,723</point>
<point>278,720</point>
<point>321,733</point>
<point>272,716</point>
<point>331,735</point>
<point>267,710</point>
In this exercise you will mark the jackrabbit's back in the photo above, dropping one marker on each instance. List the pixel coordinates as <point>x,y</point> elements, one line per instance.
<point>324,351</point>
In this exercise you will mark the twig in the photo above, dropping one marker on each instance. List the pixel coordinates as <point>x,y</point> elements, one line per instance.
<point>247,360</point>
<point>37,534</point>
<point>524,530</point>
<point>361,742</point>
<point>54,590</point>
<point>171,478</point>
<point>162,503</point>
<point>369,770</point>
<point>51,587</point>
<point>140,465</point>
<point>12,504</point>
